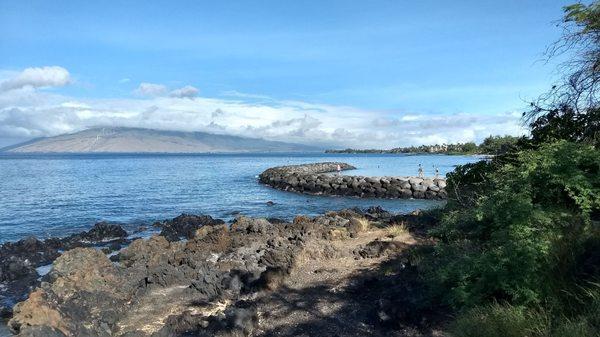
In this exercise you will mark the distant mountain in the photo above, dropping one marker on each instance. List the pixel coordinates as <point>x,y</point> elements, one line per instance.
<point>135,140</point>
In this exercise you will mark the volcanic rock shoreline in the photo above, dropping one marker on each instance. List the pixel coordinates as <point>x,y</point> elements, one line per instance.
<point>19,260</point>
<point>253,277</point>
<point>317,179</point>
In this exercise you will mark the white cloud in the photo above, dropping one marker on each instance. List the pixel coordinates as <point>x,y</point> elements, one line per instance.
<point>53,76</point>
<point>154,90</point>
<point>50,114</point>
<point>75,105</point>
<point>150,89</point>
<point>186,92</point>
<point>27,112</point>
<point>217,113</point>
<point>124,80</point>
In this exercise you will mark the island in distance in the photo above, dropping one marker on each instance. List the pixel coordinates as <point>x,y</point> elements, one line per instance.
<point>138,140</point>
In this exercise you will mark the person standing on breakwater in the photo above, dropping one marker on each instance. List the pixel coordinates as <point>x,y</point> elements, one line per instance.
<point>437,172</point>
<point>339,169</point>
<point>421,175</point>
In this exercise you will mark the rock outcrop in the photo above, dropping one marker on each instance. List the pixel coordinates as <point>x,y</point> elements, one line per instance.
<point>185,225</point>
<point>19,260</point>
<point>318,179</point>
<point>207,285</point>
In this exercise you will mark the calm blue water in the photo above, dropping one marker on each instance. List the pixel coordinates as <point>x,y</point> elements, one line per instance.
<point>55,195</point>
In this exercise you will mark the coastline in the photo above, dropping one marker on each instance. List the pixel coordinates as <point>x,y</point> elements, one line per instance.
<point>274,251</point>
<point>139,189</point>
<point>43,275</point>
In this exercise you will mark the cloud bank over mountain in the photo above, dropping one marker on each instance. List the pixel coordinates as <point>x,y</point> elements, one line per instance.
<point>29,109</point>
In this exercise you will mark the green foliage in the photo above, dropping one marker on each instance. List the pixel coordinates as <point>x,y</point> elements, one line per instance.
<point>497,144</point>
<point>526,221</point>
<point>500,321</point>
<point>564,123</point>
<point>587,17</point>
<point>570,109</point>
<point>497,320</point>
<point>469,147</point>
<point>518,244</point>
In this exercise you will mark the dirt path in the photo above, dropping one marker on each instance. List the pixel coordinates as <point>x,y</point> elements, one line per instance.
<point>317,299</point>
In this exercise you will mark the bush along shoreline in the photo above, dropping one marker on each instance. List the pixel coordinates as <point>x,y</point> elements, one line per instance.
<point>516,249</point>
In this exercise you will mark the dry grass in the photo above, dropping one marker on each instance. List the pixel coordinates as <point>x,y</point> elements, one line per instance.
<point>397,230</point>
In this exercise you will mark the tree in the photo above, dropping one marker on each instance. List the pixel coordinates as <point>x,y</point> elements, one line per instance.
<point>497,144</point>
<point>570,110</point>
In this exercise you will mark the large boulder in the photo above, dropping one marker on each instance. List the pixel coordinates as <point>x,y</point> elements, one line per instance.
<point>79,275</point>
<point>35,315</point>
<point>405,185</point>
<point>143,250</point>
<point>104,231</point>
<point>406,193</point>
<point>419,188</point>
<point>427,182</point>
<point>185,225</point>
<point>418,194</point>
<point>19,260</point>
<point>441,183</point>
<point>30,252</point>
<point>83,268</point>
<point>251,225</point>
<point>415,181</point>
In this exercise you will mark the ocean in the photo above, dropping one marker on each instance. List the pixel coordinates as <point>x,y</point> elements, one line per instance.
<point>56,195</point>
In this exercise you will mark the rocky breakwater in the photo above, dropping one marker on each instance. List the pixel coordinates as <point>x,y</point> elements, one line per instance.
<point>318,179</point>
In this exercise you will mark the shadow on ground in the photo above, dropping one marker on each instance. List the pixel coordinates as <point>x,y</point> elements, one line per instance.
<point>386,301</point>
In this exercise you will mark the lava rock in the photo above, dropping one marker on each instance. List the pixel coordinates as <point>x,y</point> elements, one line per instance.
<point>185,225</point>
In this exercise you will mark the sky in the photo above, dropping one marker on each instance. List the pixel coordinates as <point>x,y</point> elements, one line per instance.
<point>363,74</point>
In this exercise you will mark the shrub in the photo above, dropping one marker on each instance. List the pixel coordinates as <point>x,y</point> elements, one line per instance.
<point>526,225</point>
<point>498,144</point>
<point>500,321</point>
<point>497,320</point>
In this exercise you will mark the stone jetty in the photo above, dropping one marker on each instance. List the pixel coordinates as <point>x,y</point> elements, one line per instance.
<point>323,179</point>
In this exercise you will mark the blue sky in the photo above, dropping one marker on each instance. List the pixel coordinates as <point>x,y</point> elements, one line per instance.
<point>385,62</point>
